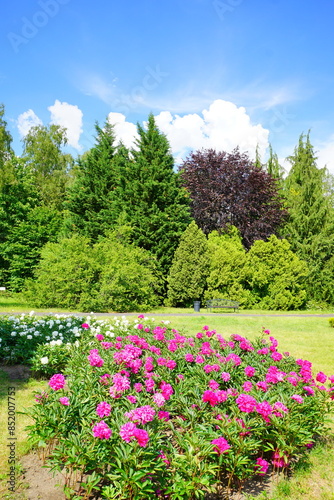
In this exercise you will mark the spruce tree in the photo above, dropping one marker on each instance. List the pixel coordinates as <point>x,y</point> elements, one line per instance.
<point>89,200</point>
<point>150,197</point>
<point>190,267</point>
<point>310,228</point>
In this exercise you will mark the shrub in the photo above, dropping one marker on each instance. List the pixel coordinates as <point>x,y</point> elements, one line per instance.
<point>144,411</point>
<point>331,322</point>
<point>276,275</point>
<point>109,275</point>
<point>227,268</point>
<point>66,271</point>
<point>189,270</point>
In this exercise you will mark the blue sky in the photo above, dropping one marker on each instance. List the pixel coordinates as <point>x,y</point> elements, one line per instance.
<point>215,73</point>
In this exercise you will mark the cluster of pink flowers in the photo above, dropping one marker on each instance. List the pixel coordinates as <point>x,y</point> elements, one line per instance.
<point>135,355</point>
<point>261,466</point>
<point>103,409</point>
<point>141,415</point>
<point>214,397</point>
<point>101,430</point>
<point>57,381</point>
<point>64,401</point>
<point>220,445</point>
<point>246,403</point>
<point>130,431</point>
<point>94,358</point>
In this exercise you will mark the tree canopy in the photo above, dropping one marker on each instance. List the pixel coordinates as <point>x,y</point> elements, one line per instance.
<point>229,189</point>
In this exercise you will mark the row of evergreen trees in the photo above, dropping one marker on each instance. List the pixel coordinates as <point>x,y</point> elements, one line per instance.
<point>129,199</point>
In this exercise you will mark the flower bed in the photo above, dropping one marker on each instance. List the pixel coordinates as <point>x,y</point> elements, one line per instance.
<point>143,411</point>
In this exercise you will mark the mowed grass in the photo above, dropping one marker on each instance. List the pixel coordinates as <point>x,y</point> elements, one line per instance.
<point>24,398</point>
<point>304,337</point>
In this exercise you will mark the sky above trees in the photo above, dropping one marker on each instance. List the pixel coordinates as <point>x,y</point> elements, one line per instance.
<point>215,73</point>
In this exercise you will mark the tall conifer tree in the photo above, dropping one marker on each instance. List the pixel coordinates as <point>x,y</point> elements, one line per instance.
<point>310,228</point>
<point>150,196</point>
<point>89,202</point>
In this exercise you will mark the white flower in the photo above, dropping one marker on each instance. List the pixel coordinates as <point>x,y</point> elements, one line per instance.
<point>76,343</point>
<point>31,313</point>
<point>110,334</point>
<point>77,334</point>
<point>13,334</point>
<point>29,337</point>
<point>58,342</point>
<point>44,361</point>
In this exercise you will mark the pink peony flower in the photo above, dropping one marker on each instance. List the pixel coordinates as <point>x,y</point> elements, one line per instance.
<point>64,401</point>
<point>94,358</point>
<point>246,403</point>
<point>141,316</point>
<point>57,381</point>
<point>276,356</point>
<point>85,325</point>
<point>166,390</point>
<point>280,460</point>
<point>101,430</point>
<point>163,415</point>
<point>132,399</point>
<point>127,431</point>
<point>159,399</point>
<point>261,466</point>
<point>309,390</point>
<point>99,337</point>
<point>141,415</point>
<point>298,398</point>
<point>225,376</point>
<point>247,386</point>
<point>213,384</point>
<point>103,409</point>
<point>249,371</point>
<point>171,364</point>
<point>321,377</point>
<point>142,437</point>
<point>262,386</point>
<point>220,445</point>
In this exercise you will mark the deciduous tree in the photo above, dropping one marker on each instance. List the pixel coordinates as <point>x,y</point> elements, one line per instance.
<point>228,189</point>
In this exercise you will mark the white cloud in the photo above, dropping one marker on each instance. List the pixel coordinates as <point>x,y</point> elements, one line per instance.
<point>27,120</point>
<point>124,131</point>
<point>70,117</point>
<point>223,126</point>
<point>325,155</point>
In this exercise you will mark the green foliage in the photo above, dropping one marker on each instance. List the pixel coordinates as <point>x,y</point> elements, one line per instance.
<point>89,200</point>
<point>189,270</point>
<point>331,322</point>
<point>25,241</point>
<point>49,166</point>
<point>268,276</point>
<point>310,228</point>
<point>110,275</point>
<point>128,279</point>
<point>66,272</point>
<point>150,197</point>
<point>227,268</point>
<point>275,275</point>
